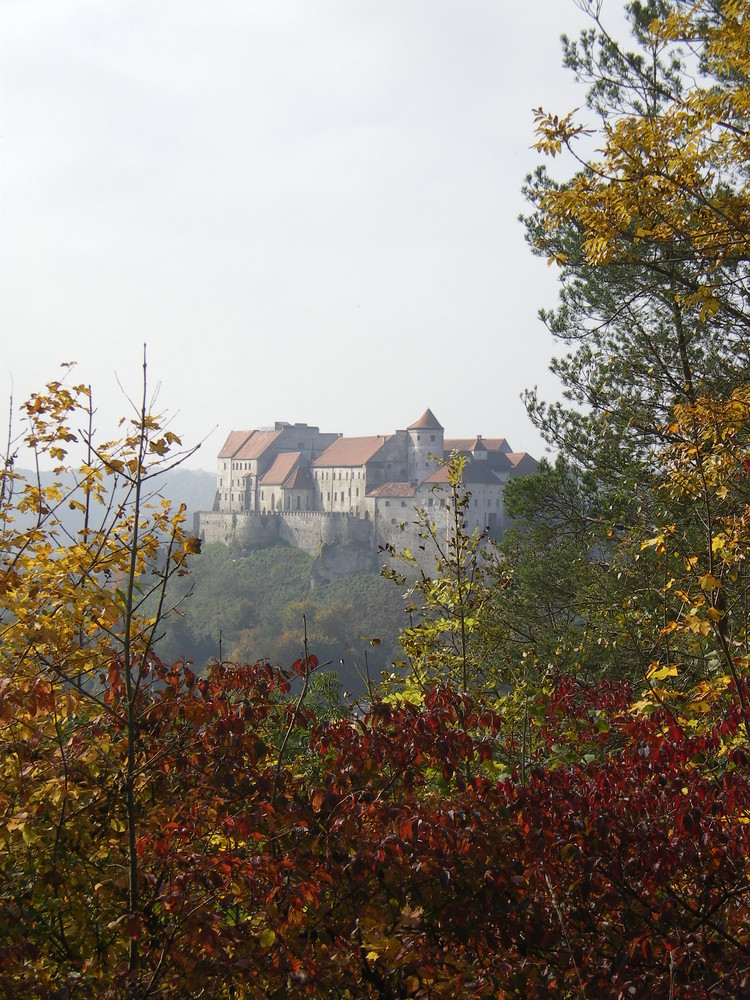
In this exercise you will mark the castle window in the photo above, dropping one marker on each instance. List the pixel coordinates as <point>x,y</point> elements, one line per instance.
<point>335,497</point>
<point>358,491</point>
<point>432,437</point>
<point>388,503</point>
<point>403,503</point>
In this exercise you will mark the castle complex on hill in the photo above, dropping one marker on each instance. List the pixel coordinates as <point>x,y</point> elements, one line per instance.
<point>321,491</point>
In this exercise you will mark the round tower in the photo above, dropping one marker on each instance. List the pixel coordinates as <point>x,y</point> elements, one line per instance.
<point>425,437</point>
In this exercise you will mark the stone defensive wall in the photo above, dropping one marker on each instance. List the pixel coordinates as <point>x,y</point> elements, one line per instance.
<point>306,530</point>
<point>310,530</point>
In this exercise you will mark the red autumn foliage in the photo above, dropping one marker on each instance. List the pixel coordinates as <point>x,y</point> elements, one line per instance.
<point>385,859</point>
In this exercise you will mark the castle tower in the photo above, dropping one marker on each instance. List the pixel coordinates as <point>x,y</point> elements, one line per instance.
<point>425,443</point>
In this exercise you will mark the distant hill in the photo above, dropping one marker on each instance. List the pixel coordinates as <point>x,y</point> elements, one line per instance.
<point>251,605</point>
<point>193,487</point>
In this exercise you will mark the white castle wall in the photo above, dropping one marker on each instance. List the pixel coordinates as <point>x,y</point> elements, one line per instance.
<point>340,543</point>
<point>306,530</point>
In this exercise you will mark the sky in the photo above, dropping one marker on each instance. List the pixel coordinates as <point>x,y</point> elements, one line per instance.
<point>306,209</point>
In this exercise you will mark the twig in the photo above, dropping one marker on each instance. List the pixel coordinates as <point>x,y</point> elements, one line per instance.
<point>560,917</point>
<point>295,713</point>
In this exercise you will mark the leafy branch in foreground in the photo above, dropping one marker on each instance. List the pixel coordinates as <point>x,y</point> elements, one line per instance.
<point>443,639</point>
<point>76,652</point>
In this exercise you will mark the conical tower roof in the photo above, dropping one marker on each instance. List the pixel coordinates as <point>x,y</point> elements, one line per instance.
<point>428,421</point>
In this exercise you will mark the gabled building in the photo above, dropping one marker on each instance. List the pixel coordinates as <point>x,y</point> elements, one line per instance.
<point>287,486</point>
<point>247,456</point>
<point>374,483</point>
<point>352,467</point>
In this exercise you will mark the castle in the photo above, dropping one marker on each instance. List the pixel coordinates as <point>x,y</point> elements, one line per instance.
<point>323,492</point>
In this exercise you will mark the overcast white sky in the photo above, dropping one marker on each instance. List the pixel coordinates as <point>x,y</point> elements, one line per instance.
<point>306,208</point>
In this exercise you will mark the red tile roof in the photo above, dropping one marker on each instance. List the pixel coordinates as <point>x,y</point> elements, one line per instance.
<point>393,490</point>
<point>440,475</point>
<point>298,479</point>
<point>428,421</point>
<point>522,462</point>
<point>257,444</point>
<point>280,469</point>
<point>234,442</point>
<point>351,451</point>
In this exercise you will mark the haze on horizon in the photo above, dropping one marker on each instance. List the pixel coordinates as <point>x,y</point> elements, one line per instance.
<point>308,211</point>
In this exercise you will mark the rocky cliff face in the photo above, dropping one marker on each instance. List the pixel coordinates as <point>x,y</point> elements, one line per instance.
<point>340,559</point>
<point>339,543</point>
